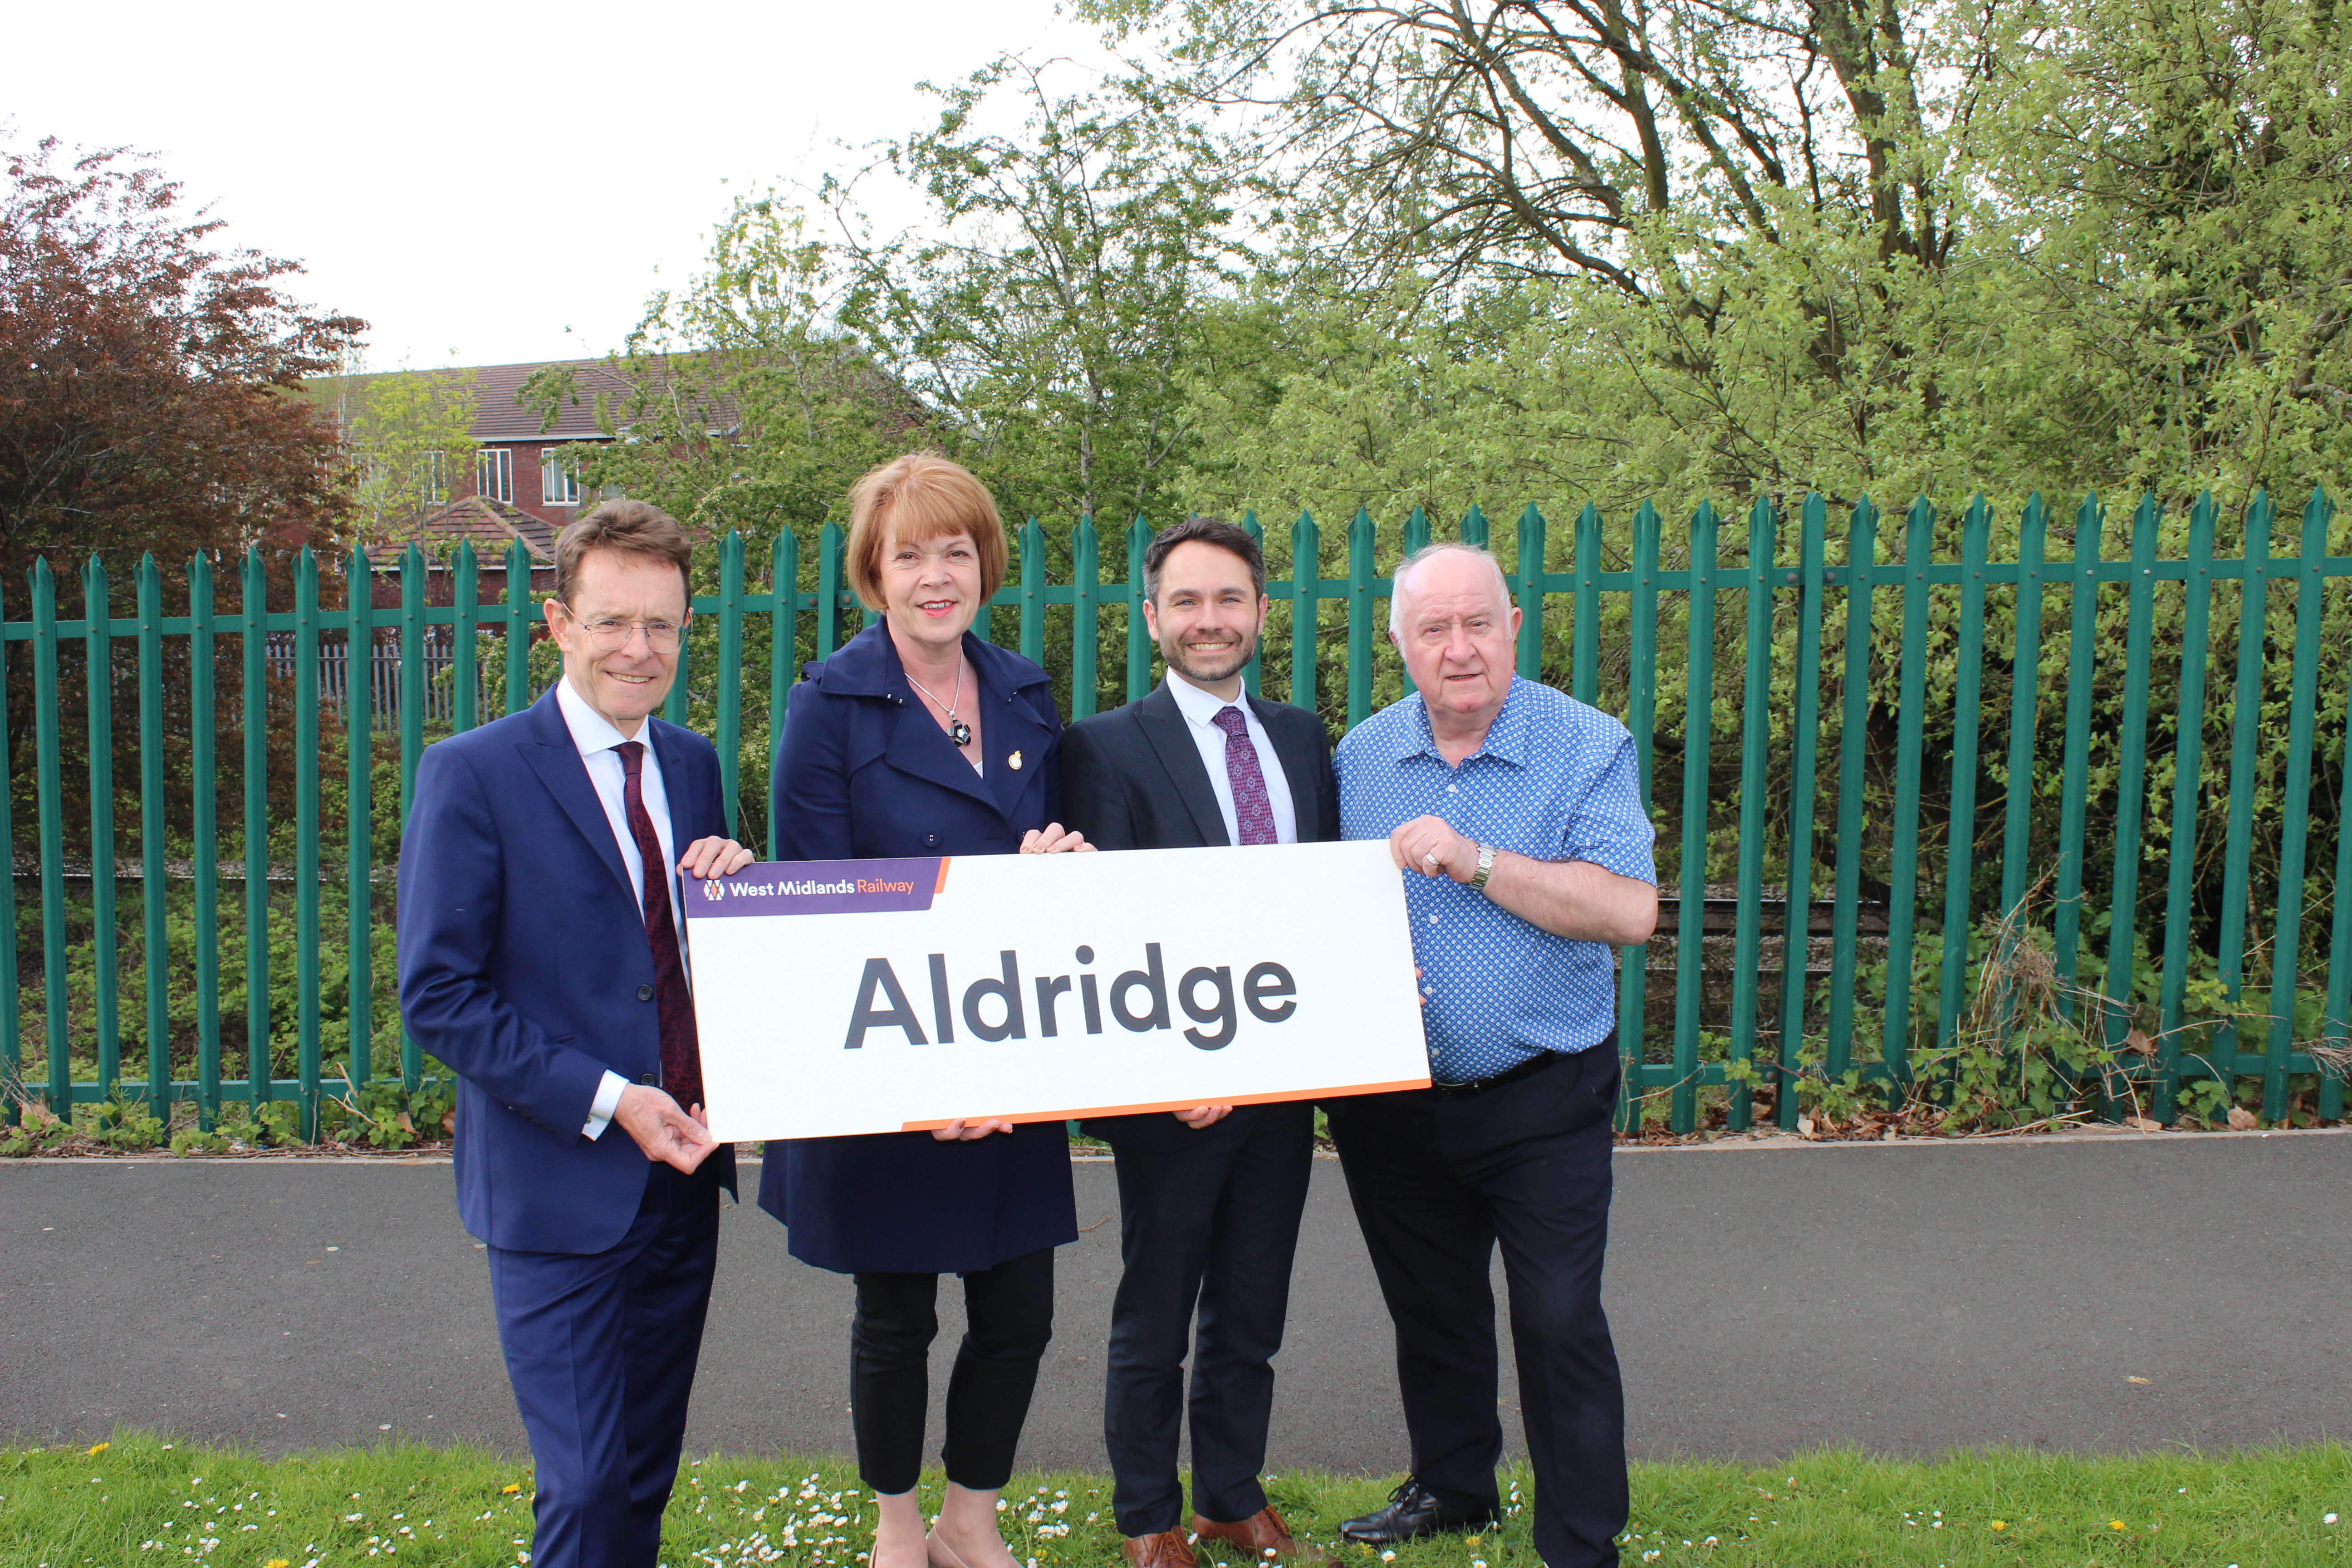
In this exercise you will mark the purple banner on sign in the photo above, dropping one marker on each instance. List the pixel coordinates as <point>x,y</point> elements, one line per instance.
<point>820,888</point>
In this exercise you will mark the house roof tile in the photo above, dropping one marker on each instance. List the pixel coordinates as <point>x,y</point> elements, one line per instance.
<point>493,526</point>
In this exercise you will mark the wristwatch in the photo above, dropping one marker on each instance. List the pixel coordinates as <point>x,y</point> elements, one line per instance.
<point>1477,883</point>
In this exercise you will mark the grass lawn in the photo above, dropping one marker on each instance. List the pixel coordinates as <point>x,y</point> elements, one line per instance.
<point>139,1499</point>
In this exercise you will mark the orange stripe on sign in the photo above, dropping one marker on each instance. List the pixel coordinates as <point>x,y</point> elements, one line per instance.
<point>1075,1114</point>
<point>941,885</point>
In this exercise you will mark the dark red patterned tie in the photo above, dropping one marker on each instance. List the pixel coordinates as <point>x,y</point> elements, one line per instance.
<point>1253,813</point>
<point>681,1051</point>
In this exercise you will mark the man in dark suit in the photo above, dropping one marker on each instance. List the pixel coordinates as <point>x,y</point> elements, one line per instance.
<point>1209,1198</point>
<point>542,957</point>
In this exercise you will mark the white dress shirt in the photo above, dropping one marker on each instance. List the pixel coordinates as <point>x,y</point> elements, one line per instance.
<point>1201,710</point>
<point>596,736</point>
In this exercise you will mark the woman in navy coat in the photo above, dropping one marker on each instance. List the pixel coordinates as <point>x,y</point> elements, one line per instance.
<point>919,739</point>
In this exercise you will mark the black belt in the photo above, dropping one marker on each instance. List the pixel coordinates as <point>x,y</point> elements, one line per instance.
<point>1533,1065</point>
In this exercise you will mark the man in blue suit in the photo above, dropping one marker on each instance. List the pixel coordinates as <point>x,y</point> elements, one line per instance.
<point>542,958</point>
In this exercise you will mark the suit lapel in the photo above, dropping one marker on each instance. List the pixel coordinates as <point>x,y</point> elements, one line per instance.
<point>684,824</point>
<point>1163,724</point>
<point>556,760</point>
<point>1295,750</point>
<point>1012,728</point>
<point>919,746</point>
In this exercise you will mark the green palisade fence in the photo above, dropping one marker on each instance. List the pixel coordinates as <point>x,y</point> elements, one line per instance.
<point>1865,741</point>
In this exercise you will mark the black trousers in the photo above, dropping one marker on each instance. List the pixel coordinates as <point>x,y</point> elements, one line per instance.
<point>1008,1321</point>
<point>1436,1182</point>
<point>1210,1224</point>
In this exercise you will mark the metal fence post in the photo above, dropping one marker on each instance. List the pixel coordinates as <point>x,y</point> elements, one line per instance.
<point>255,612</point>
<point>828,591</point>
<point>359,830</point>
<point>518,697</point>
<point>2245,722</point>
<point>2131,784</point>
<point>1306,607</point>
<point>98,640</point>
<point>1699,724</point>
<point>730,723</point>
<point>1902,874</point>
<point>784,649</point>
<point>2180,846</point>
<point>155,958</point>
<point>1968,717</point>
<point>2295,823</point>
<point>1642,718</point>
<point>1860,576</point>
<point>465,641</point>
<point>1032,592</point>
<point>1250,671</point>
<point>2080,644</point>
<point>205,837</point>
<point>49,793</point>
<point>1086,617</point>
<point>1797,921</point>
<point>1416,537</point>
<point>1584,628</point>
<point>1754,755</point>
<point>1359,616</point>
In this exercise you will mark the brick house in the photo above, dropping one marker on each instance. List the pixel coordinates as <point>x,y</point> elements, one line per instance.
<point>523,488</point>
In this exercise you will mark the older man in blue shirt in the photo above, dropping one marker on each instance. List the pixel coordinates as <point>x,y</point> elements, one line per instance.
<point>1516,812</point>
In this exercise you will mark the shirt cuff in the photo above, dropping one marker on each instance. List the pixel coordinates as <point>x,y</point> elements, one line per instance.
<point>608,1101</point>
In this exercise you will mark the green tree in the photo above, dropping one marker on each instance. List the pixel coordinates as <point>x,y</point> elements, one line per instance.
<point>408,436</point>
<point>1048,311</point>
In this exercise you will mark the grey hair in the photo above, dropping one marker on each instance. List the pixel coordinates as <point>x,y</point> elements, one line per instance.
<point>1414,562</point>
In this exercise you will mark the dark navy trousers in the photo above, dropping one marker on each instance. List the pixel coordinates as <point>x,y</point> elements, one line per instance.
<point>1210,1230</point>
<point>601,1348</point>
<point>1437,1182</point>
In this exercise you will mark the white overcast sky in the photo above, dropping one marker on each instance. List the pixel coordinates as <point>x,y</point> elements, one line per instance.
<point>494,182</point>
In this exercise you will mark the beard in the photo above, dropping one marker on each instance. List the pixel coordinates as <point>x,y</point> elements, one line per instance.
<point>1209,670</point>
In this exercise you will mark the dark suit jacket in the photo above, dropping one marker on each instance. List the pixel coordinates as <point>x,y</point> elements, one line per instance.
<point>865,772</point>
<point>1133,778</point>
<point>524,967</point>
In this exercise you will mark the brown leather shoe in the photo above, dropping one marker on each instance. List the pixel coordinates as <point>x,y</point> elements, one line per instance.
<point>1260,1538</point>
<point>1165,1550</point>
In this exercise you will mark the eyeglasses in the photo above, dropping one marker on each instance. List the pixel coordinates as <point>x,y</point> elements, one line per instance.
<point>612,634</point>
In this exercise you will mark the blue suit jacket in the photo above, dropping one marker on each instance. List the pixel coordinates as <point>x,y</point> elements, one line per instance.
<point>865,772</point>
<point>524,967</point>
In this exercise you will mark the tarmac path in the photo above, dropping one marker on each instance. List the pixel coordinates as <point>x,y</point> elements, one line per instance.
<point>1907,1299</point>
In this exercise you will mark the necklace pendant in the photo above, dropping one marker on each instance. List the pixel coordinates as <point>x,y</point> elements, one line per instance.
<point>960,733</point>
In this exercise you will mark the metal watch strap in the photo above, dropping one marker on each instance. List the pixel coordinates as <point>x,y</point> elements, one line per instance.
<point>1486,868</point>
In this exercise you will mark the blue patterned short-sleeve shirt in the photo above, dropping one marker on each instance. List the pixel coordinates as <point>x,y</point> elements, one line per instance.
<point>1554,780</point>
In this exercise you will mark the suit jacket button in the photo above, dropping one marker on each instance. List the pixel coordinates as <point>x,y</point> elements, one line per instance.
<point>645,993</point>
<point>930,840</point>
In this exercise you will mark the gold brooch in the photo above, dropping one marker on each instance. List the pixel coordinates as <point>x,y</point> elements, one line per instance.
<point>1013,762</point>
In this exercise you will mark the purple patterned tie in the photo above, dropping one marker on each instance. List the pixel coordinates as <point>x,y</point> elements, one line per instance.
<point>1253,813</point>
<point>681,1050</point>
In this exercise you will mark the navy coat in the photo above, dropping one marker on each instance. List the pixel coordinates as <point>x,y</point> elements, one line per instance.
<point>524,967</point>
<point>864,772</point>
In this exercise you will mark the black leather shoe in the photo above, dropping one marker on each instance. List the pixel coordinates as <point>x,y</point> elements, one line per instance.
<point>1412,1512</point>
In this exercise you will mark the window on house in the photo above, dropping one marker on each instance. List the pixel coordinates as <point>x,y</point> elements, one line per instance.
<point>494,476</point>
<point>558,478</point>
<point>437,479</point>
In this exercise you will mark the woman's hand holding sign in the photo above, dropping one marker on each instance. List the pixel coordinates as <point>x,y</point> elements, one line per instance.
<point>1053,839</point>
